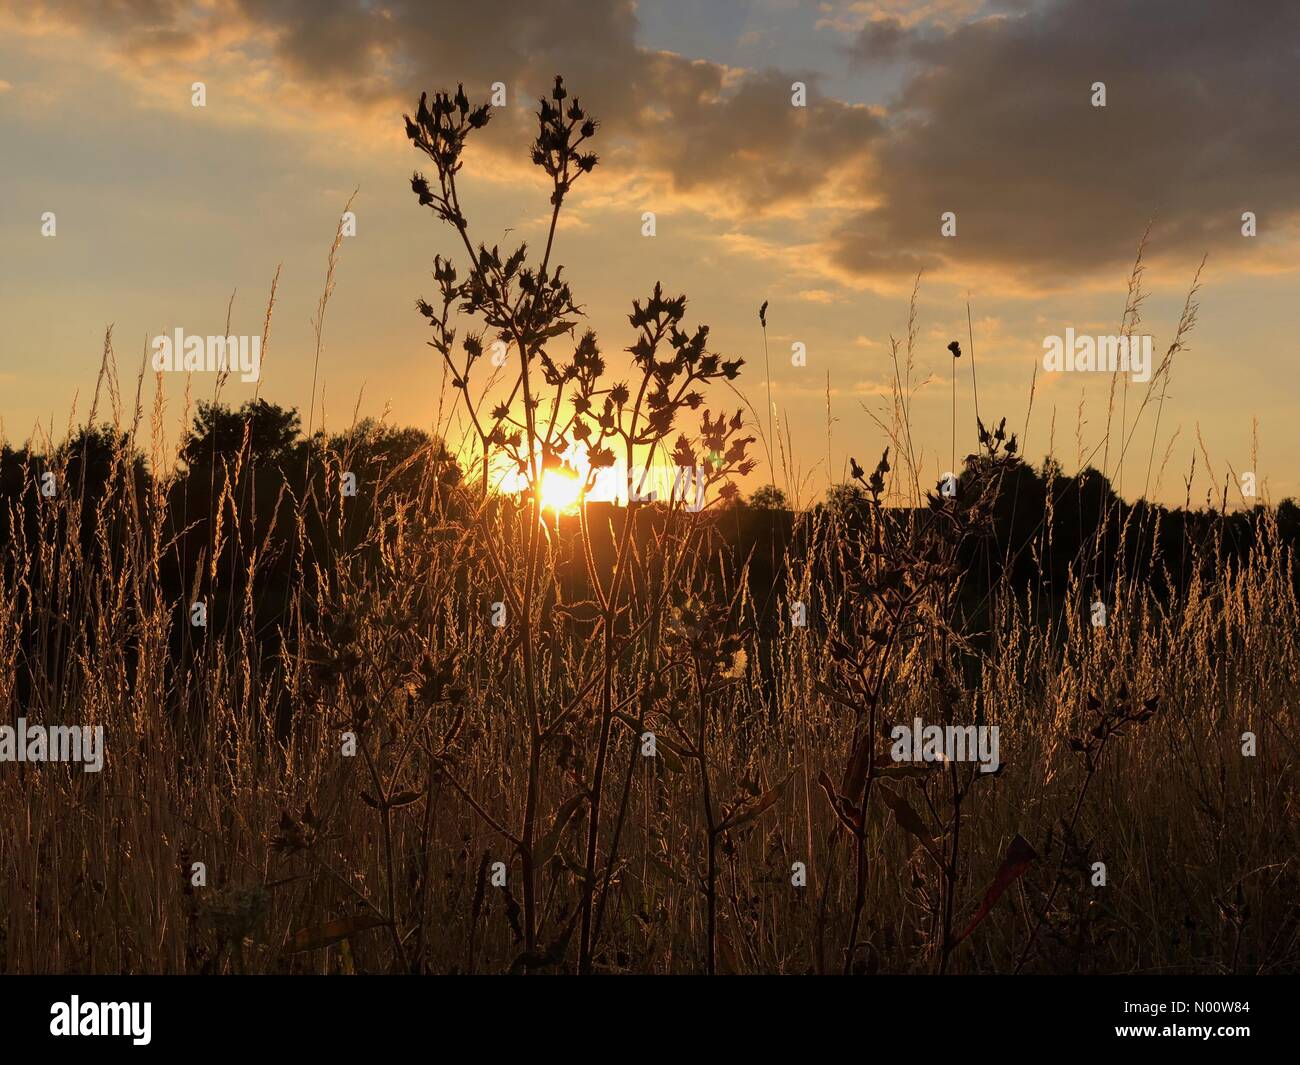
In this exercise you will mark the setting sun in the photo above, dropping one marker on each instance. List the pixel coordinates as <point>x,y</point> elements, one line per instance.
<point>561,490</point>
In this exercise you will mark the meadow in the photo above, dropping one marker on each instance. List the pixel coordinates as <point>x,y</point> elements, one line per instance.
<point>435,727</point>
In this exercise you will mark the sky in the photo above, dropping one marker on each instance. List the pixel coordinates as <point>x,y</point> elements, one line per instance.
<point>169,215</point>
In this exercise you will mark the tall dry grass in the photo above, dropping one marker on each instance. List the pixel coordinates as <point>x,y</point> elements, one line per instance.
<point>768,833</point>
<point>1199,842</point>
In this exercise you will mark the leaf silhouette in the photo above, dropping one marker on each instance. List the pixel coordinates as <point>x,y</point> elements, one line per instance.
<point>329,933</point>
<point>546,845</point>
<point>1019,857</point>
<point>664,748</point>
<point>848,814</point>
<point>747,811</point>
<point>908,819</point>
<point>855,774</point>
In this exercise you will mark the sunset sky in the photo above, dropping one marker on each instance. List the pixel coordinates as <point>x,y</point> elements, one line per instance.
<point>914,109</point>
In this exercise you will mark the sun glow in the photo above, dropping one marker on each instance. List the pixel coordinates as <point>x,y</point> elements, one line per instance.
<point>561,490</point>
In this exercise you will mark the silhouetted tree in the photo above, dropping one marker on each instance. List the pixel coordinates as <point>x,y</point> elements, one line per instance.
<point>769,497</point>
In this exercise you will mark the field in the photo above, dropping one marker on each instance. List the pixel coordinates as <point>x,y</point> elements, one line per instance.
<point>365,712</point>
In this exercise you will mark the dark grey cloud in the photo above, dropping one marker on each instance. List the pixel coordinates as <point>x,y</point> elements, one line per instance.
<point>700,126</point>
<point>995,123</point>
<point>703,127</point>
<point>880,40</point>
